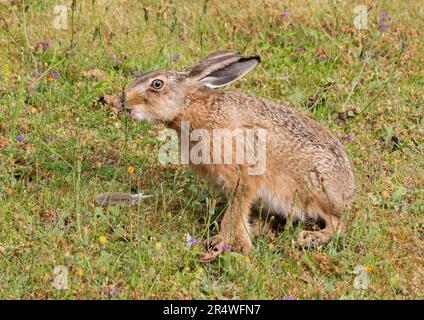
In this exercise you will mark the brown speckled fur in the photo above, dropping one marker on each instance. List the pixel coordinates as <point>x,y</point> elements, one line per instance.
<point>307,172</point>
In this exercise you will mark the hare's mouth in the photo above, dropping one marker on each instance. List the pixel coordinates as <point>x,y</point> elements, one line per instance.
<point>141,116</point>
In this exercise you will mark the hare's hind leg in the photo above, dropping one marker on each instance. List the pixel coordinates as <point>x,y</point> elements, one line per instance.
<point>313,239</point>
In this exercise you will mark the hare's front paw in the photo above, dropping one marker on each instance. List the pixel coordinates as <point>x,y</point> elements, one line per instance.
<point>216,244</point>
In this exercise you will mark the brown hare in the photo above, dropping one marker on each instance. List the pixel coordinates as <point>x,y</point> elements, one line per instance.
<point>306,174</point>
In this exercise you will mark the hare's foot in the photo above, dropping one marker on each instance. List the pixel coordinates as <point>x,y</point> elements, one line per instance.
<point>314,239</point>
<point>216,245</point>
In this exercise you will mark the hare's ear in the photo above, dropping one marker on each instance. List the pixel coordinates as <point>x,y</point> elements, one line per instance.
<point>221,68</point>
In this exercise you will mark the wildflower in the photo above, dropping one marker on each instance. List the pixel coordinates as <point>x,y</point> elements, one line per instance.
<point>190,241</point>
<point>368,267</point>
<point>43,45</point>
<point>80,272</point>
<point>176,58</point>
<point>287,298</point>
<point>349,137</point>
<point>20,137</point>
<point>102,240</point>
<point>118,60</point>
<point>200,271</point>
<point>385,194</point>
<point>137,141</point>
<point>52,75</point>
<point>298,49</point>
<point>383,15</point>
<point>383,25</point>
<point>98,164</point>
<point>286,12</point>
<point>158,246</point>
<point>225,247</point>
<point>130,169</point>
<point>33,110</point>
<point>113,292</point>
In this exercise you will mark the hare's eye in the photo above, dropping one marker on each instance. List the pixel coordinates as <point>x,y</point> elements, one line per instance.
<point>157,84</point>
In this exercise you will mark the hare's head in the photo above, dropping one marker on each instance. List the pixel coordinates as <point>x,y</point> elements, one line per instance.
<point>161,95</point>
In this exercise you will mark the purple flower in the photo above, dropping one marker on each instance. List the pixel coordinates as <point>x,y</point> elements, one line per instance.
<point>286,12</point>
<point>299,49</point>
<point>176,58</point>
<point>225,247</point>
<point>20,137</point>
<point>54,74</point>
<point>383,26</point>
<point>349,137</point>
<point>190,241</point>
<point>43,45</point>
<point>113,292</point>
<point>287,298</point>
<point>383,15</point>
<point>119,60</point>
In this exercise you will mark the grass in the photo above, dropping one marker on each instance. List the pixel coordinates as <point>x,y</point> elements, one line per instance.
<point>366,83</point>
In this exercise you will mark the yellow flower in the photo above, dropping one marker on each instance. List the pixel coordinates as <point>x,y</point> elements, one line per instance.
<point>102,240</point>
<point>385,194</point>
<point>33,110</point>
<point>137,141</point>
<point>80,272</point>
<point>131,169</point>
<point>98,164</point>
<point>368,267</point>
<point>200,270</point>
<point>158,246</point>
